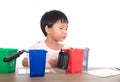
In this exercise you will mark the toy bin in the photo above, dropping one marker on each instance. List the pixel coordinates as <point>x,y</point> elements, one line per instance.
<point>75,60</point>
<point>85,59</point>
<point>7,67</point>
<point>37,60</point>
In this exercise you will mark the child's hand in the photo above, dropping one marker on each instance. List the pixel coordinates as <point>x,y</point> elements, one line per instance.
<point>53,62</point>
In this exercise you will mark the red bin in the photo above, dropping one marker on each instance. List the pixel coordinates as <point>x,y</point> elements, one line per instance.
<point>75,61</point>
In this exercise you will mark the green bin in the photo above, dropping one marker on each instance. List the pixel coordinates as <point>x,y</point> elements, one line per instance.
<point>7,67</point>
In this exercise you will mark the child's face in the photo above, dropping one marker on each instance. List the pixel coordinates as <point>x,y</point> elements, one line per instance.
<point>58,32</point>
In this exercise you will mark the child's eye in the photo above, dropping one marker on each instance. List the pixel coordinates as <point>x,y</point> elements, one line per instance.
<point>61,28</point>
<point>66,28</point>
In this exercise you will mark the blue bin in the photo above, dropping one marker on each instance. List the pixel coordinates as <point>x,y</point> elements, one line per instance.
<point>37,60</point>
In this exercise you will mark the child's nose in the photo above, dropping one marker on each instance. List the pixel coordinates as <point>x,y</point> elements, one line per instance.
<point>65,31</point>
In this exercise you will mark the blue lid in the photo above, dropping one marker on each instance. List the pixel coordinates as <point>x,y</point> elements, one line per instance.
<point>37,50</point>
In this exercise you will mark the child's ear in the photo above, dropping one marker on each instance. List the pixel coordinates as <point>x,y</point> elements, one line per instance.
<point>47,29</point>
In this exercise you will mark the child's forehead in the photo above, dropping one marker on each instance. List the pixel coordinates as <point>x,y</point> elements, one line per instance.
<point>61,21</point>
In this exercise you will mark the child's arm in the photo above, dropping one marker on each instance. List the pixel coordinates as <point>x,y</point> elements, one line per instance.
<point>53,62</point>
<point>25,62</point>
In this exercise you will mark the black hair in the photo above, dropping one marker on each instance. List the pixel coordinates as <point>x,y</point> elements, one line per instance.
<point>50,18</point>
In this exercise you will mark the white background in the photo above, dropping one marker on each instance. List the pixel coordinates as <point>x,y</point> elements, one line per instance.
<point>92,23</point>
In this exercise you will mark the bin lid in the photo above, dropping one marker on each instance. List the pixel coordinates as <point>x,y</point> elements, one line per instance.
<point>8,49</point>
<point>37,50</point>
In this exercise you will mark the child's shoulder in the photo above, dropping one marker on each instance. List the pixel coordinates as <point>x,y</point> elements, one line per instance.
<point>66,46</point>
<point>40,41</point>
<point>38,44</point>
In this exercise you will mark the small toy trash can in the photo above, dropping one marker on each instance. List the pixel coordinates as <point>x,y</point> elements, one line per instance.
<point>7,67</point>
<point>37,60</point>
<point>85,59</point>
<point>75,60</point>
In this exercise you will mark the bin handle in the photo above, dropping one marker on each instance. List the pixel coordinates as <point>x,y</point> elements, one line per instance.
<point>14,56</point>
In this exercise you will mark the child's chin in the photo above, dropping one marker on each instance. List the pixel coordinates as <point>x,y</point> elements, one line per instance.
<point>60,40</point>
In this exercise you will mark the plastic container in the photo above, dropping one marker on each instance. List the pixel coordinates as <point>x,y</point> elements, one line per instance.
<point>85,59</point>
<point>37,60</point>
<point>75,61</point>
<point>63,59</point>
<point>7,67</point>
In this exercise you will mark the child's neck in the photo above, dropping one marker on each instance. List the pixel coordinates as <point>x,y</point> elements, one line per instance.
<point>53,44</point>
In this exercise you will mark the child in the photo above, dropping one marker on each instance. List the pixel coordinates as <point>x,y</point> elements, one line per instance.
<point>54,25</point>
